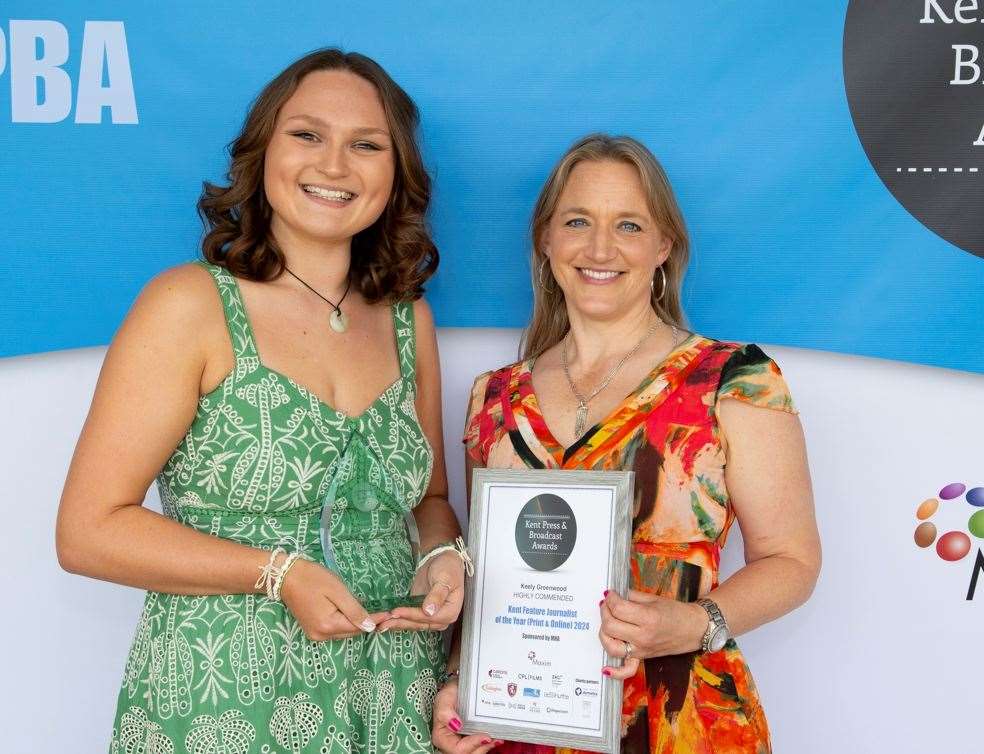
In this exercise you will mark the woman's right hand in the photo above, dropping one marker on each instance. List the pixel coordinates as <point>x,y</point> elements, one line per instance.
<point>323,605</point>
<point>446,726</point>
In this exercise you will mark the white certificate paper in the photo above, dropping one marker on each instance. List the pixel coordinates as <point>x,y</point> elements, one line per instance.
<point>547,545</point>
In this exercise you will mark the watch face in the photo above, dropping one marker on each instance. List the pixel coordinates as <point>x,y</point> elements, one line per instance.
<point>718,639</point>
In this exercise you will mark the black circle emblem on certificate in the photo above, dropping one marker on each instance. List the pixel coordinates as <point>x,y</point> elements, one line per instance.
<point>914,76</point>
<point>545,532</point>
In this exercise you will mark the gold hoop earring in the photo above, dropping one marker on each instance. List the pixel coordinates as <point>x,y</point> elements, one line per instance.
<point>652,285</point>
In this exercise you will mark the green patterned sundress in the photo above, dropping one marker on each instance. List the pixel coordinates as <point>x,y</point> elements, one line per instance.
<point>235,674</point>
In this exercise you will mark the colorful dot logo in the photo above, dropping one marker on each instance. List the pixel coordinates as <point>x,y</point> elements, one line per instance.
<point>954,545</point>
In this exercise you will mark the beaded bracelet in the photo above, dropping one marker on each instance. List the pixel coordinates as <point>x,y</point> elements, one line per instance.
<point>272,576</point>
<point>278,583</point>
<point>269,573</point>
<point>456,546</point>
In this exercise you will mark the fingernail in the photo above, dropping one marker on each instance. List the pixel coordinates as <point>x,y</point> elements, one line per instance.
<point>455,724</point>
<point>606,671</point>
<point>367,625</point>
<point>600,603</point>
<point>606,592</point>
<point>486,740</point>
<point>430,609</point>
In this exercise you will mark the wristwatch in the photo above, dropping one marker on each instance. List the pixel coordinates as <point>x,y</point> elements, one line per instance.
<point>717,633</point>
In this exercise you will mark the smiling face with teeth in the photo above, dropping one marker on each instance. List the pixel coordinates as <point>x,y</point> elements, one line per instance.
<point>603,244</point>
<point>329,167</point>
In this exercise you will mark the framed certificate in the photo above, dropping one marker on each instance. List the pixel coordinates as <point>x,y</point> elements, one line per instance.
<point>546,545</point>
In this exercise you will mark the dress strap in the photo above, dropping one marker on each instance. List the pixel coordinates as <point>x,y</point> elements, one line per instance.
<point>406,339</point>
<point>237,322</point>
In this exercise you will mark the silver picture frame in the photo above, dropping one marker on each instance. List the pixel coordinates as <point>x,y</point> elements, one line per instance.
<point>611,488</point>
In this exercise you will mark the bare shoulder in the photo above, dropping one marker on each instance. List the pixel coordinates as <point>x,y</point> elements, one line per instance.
<point>745,425</point>
<point>179,308</point>
<point>183,292</point>
<point>423,316</point>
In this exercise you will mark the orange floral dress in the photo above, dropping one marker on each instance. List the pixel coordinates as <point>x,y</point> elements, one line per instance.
<point>666,431</point>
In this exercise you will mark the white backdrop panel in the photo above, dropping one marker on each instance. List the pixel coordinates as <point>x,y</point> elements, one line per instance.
<point>881,659</point>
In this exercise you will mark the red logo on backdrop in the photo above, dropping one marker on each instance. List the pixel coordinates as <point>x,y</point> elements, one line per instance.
<point>953,545</point>
<point>511,688</point>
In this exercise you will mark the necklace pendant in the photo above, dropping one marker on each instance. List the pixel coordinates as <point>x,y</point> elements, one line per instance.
<point>580,420</point>
<point>338,321</point>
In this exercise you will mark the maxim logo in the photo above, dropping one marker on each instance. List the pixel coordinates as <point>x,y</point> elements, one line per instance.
<point>954,545</point>
<point>539,663</point>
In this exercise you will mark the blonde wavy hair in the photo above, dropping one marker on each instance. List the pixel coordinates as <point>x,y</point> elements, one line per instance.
<point>549,323</point>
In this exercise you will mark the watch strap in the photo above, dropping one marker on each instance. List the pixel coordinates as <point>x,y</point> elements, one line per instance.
<point>715,622</point>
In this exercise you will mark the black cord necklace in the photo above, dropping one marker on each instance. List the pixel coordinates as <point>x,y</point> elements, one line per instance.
<point>337,320</point>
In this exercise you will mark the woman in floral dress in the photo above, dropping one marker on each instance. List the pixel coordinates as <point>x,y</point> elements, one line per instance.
<point>611,380</point>
<point>285,393</point>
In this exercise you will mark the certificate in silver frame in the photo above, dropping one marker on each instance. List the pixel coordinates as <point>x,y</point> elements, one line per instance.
<point>546,544</point>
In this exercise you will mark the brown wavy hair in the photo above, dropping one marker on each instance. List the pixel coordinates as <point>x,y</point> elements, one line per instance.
<point>550,323</point>
<point>391,259</point>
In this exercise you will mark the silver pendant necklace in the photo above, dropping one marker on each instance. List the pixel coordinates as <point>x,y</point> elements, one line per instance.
<point>581,418</point>
<point>337,320</point>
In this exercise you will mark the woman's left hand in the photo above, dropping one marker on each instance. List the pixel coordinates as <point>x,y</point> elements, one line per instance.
<point>443,581</point>
<point>653,626</point>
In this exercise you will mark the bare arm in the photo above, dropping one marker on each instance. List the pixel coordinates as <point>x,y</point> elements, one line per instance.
<point>768,479</point>
<point>768,482</point>
<point>436,520</point>
<point>144,402</point>
<point>442,579</point>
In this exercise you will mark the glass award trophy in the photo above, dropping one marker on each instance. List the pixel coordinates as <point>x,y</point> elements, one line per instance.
<point>361,506</point>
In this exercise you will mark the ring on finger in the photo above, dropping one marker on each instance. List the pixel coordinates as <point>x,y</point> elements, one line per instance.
<point>628,650</point>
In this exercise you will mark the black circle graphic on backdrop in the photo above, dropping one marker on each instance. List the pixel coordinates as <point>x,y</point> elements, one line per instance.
<point>917,129</point>
<point>546,531</point>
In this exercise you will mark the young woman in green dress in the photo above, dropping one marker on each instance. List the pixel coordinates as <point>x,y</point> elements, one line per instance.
<point>285,393</point>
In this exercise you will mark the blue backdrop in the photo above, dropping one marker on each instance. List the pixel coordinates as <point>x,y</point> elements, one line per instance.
<point>796,241</point>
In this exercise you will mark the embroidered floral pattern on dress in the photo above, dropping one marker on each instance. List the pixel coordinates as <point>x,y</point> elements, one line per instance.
<point>235,674</point>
